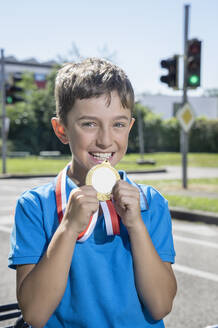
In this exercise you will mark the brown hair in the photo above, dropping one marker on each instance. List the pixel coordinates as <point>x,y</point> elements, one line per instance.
<point>92,77</point>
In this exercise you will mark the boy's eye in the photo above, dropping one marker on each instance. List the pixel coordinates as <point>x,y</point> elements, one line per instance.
<point>119,124</point>
<point>88,124</point>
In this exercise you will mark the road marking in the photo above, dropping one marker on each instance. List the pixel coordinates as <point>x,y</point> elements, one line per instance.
<point>7,208</point>
<point>6,229</point>
<point>195,241</point>
<point>11,188</point>
<point>6,223</point>
<point>7,219</point>
<point>196,229</point>
<point>195,272</point>
<point>11,198</point>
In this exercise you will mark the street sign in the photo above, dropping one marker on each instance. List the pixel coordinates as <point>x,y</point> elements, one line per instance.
<point>186,117</point>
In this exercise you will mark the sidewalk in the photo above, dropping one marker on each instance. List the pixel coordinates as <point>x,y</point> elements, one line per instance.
<point>175,172</point>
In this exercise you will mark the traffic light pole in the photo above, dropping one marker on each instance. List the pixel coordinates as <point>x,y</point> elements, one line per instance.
<point>184,135</point>
<point>3,117</point>
<point>140,133</point>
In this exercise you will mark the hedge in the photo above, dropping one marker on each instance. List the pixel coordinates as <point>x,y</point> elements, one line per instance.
<point>159,134</point>
<point>164,135</point>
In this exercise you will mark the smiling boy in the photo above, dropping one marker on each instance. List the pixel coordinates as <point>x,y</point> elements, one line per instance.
<point>123,280</point>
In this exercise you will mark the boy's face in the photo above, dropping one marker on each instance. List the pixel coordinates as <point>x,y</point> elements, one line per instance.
<point>96,131</point>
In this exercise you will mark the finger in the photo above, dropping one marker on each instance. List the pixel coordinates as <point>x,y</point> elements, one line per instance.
<point>86,200</point>
<point>123,185</point>
<point>88,188</point>
<point>83,205</point>
<point>131,192</point>
<point>85,190</point>
<point>127,199</point>
<point>127,202</point>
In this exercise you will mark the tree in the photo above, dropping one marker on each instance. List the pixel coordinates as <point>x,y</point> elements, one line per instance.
<point>74,54</point>
<point>149,119</point>
<point>31,128</point>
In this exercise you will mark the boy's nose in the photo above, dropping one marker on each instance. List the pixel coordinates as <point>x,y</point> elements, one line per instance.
<point>104,139</point>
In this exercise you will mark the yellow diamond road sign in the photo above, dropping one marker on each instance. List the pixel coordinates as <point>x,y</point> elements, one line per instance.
<point>186,117</point>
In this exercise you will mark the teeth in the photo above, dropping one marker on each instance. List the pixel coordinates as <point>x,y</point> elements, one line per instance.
<point>102,155</point>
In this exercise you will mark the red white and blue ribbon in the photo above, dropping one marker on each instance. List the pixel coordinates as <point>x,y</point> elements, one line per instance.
<point>111,218</point>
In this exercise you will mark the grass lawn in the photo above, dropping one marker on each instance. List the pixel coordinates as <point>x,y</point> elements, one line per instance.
<point>204,185</point>
<point>193,203</point>
<point>204,203</point>
<point>38,165</point>
<point>168,159</point>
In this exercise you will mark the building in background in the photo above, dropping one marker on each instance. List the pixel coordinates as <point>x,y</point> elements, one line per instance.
<point>40,70</point>
<point>166,106</point>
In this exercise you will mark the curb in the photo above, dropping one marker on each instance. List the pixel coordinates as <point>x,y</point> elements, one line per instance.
<point>147,171</point>
<point>26,176</point>
<point>194,215</point>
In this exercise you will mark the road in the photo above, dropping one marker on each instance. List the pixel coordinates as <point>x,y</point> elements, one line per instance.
<point>196,265</point>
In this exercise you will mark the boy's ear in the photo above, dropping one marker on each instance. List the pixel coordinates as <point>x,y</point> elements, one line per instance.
<point>131,123</point>
<point>59,130</point>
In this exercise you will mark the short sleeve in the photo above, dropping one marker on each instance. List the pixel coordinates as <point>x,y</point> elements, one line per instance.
<point>159,224</point>
<point>28,238</point>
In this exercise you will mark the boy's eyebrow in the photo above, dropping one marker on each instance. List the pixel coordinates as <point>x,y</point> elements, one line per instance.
<point>86,117</point>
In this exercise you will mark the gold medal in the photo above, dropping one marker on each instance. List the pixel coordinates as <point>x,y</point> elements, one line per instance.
<point>102,177</point>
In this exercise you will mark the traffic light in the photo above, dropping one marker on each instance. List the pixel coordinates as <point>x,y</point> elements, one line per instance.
<point>193,64</point>
<point>172,65</point>
<point>12,90</point>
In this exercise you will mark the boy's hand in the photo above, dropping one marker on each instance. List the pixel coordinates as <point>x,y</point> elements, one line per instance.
<point>82,204</point>
<point>127,203</point>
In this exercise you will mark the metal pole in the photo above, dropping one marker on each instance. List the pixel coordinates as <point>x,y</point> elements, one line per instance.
<point>140,132</point>
<point>184,135</point>
<point>4,137</point>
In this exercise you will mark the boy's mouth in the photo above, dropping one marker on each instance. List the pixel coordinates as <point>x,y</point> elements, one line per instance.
<point>101,156</point>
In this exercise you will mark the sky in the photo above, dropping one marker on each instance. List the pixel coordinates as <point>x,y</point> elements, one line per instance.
<point>138,33</point>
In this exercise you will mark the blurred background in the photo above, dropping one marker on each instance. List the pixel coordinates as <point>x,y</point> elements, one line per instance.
<point>37,38</point>
<point>146,39</point>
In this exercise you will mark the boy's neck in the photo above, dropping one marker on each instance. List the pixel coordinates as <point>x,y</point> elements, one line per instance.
<point>76,177</point>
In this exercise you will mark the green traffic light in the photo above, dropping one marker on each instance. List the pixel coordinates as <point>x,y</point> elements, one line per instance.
<point>9,100</point>
<point>194,79</point>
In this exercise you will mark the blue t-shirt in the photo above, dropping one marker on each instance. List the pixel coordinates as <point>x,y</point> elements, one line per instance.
<point>100,290</point>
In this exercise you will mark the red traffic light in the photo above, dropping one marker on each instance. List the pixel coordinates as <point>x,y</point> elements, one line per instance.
<point>193,64</point>
<point>194,47</point>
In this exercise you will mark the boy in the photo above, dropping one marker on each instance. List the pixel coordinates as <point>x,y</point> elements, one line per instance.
<point>107,281</point>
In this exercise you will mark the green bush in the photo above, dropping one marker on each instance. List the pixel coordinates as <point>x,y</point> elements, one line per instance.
<point>204,136</point>
<point>170,135</point>
<point>164,135</point>
<point>9,146</point>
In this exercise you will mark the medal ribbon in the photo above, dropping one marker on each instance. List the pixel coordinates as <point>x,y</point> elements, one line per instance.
<point>110,215</point>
